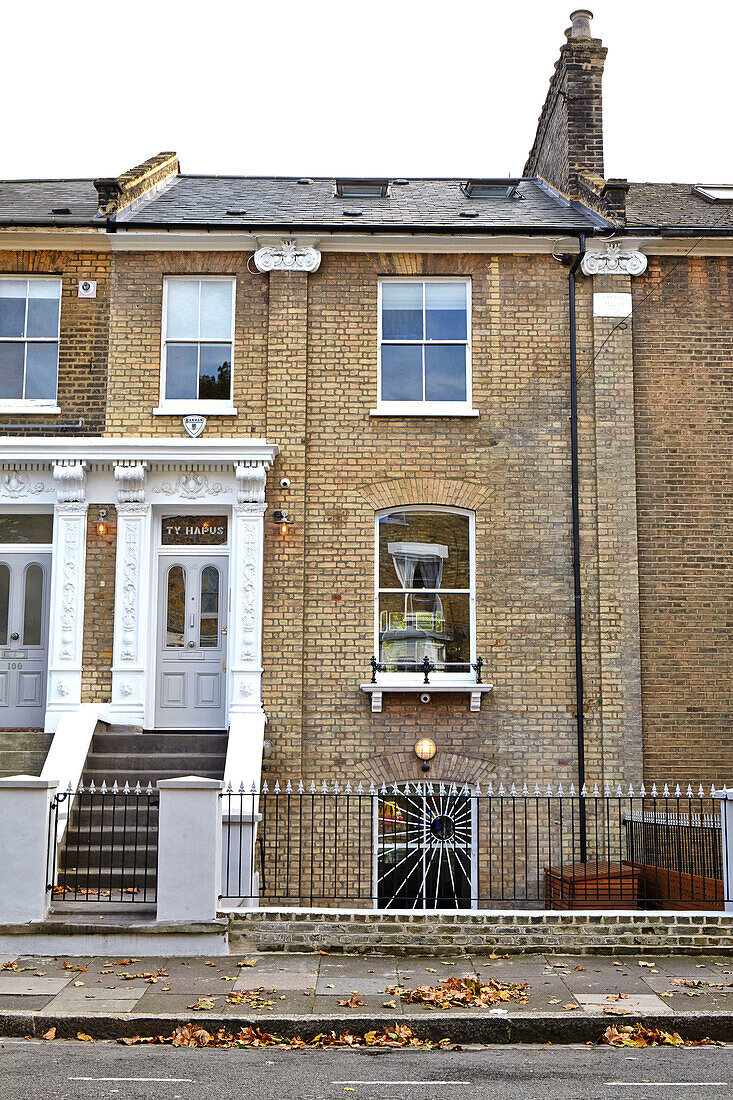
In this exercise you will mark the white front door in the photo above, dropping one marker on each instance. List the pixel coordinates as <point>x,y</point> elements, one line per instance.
<point>193,596</point>
<point>24,595</point>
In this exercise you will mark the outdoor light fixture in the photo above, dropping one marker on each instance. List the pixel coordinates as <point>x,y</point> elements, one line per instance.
<point>280,515</point>
<point>425,750</point>
<point>102,522</point>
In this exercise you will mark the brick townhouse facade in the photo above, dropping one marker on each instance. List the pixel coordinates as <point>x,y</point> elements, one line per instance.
<point>256,432</point>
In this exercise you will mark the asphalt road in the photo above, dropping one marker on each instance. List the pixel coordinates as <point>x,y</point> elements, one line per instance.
<point>34,1070</point>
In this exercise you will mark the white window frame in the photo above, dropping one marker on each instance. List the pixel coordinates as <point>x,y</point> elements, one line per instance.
<point>426,408</point>
<point>26,405</point>
<point>180,406</point>
<point>415,679</point>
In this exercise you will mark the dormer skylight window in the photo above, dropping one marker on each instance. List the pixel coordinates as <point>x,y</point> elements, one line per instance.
<point>362,189</point>
<point>714,192</point>
<point>491,188</point>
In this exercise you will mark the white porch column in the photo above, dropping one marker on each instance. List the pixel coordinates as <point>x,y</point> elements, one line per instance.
<point>133,614</point>
<point>248,532</point>
<point>68,579</point>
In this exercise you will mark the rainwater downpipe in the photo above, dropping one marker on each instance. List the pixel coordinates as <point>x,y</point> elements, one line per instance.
<point>577,593</point>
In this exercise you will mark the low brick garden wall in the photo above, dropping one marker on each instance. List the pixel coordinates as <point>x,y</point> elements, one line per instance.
<point>435,933</point>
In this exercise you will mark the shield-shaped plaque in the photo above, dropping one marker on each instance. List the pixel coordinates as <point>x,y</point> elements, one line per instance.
<point>194,424</point>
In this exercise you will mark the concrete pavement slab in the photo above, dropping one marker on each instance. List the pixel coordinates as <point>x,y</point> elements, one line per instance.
<point>9,1001</point>
<point>645,1004</point>
<point>20,984</point>
<point>252,979</point>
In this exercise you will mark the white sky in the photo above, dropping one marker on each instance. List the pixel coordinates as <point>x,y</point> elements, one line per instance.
<point>323,87</point>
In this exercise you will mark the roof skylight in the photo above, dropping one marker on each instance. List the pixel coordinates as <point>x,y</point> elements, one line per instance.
<point>362,188</point>
<point>714,192</point>
<point>491,188</point>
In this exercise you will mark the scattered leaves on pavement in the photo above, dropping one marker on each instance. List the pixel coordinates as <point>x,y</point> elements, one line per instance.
<point>637,1035</point>
<point>203,1004</point>
<point>124,962</point>
<point>191,1035</point>
<point>50,1034</point>
<point>461,993</point>
<point>255,998</point>
<point>149,976</point>
<point>353,1001</point>
<point>84,1037</point>
<point>694,987</point>
<point>253,962</point>
<point>68,966</point>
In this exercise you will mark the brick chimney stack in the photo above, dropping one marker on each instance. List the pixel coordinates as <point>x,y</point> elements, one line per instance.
<point>569,138</point>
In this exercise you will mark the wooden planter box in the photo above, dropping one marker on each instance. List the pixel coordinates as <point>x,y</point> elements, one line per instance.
<point>592,886</point>
<point>665,889</point>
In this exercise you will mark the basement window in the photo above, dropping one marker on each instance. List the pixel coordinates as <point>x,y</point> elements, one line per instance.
<point>714,192</point>
<point>362,188</point>
<point>491,188</point>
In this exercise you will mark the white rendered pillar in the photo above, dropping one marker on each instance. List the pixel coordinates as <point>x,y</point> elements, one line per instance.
<point>189,849</point>
<point>134,618</point>
<point>726,822</point>
<point>25,803</point>
<point>68,580</point>
<point>245,628</point>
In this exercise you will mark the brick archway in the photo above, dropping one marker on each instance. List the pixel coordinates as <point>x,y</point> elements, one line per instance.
<point>450,492</point>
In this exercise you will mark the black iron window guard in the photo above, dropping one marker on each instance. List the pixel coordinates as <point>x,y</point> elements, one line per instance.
<point>426,667</point>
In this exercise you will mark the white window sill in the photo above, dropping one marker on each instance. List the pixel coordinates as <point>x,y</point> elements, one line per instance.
<point>423,408</point>
<point>416,686</point>
<point>29,407</point>
<point>203,408</point>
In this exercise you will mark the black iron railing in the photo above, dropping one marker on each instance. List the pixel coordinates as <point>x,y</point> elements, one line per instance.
<point>435,846</point>
<point>425,667</point>
<point>108,850</point>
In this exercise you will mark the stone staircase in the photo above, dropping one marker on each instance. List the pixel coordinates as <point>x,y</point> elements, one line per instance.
<point>111,845</point>
<point>23,752</point>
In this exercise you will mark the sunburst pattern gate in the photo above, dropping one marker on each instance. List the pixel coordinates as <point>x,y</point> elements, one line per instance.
<point>424,850</point>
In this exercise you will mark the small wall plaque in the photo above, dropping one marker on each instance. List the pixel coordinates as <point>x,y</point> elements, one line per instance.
<point>194,424</point>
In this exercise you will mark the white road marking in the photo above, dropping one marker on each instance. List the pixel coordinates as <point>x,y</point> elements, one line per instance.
<point>663,1084</point>
<point>149,1080</point>
<point>410,1082</point>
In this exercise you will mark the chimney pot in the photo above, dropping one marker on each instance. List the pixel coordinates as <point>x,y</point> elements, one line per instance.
<point>580,23</point>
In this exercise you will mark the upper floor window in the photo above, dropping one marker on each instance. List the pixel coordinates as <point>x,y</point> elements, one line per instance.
<point>424,346</point>
<point>198,337</point>
<point>29,339</point>
<point>425,589</point>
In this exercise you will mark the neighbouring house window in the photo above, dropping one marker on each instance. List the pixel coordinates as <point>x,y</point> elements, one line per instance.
<point>198,337</point>
<point>29,339</point>
<point>424,332</point>
<point>424,590</point>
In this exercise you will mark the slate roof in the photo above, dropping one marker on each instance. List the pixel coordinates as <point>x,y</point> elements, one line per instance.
<point>669,205</point>
<point>260,202</point>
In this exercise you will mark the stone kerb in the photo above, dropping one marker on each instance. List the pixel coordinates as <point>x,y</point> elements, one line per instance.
<point>25,807</point>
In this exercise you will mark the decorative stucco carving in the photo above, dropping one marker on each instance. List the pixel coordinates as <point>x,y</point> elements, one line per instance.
<point>69,610</point>
<point>248,580</point>
<point>63,688</point>
<point>70,479</point>
<point>190,486</point>
<point>287,256</point>
<point>130,481</point>
<point>130,584</point>
<point>127,687</point>
<point>247,689</point>
<point>16,485</point>
<point>250,483</point>
<point>612,259</point>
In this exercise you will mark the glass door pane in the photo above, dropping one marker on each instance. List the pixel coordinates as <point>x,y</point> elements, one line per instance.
<point>4,601</point>
<point>33,605</point>
<point>209,608</point>
<point>176,607</point>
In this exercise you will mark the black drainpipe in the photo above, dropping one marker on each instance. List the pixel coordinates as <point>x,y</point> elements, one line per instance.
<point>578,596</point>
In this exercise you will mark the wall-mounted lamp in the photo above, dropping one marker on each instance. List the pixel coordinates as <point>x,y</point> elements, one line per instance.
<point>425,750</point>
<point>102,522</point>
<point>280,515</point>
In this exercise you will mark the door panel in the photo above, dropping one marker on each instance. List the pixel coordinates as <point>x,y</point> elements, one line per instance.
<point>24,603</point>
<point>193,596</point>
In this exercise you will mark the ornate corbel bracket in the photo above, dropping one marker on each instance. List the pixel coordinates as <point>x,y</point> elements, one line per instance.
<point>287,256</point>
<point>612,259</point>
<point>70,479</point>
<point>130,481</point>
<point>251,479</point>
